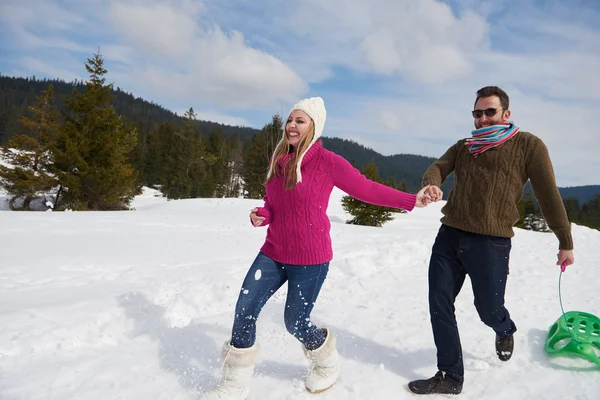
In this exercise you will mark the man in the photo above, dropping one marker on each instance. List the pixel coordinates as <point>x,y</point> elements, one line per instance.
<point>491,169</point>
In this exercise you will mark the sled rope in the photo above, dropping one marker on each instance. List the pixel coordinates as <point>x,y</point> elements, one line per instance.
<point>562,270</point>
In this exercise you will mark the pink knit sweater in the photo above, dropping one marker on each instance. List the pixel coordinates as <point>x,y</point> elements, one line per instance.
<point>298,231</point>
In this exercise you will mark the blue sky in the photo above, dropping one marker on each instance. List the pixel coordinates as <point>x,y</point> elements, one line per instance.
<point>398,76</point>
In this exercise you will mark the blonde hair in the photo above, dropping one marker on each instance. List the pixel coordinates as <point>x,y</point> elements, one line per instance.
<point>288,170</point>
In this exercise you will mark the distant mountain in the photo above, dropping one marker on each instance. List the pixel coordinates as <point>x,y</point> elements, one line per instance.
<point>582,193</point>
<point>16,94</point>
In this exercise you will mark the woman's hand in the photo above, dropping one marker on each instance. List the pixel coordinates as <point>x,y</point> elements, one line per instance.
<point>423,197</point>
<point>256,219</point>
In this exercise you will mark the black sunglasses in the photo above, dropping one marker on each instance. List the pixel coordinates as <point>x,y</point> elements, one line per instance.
<point>489,112</point>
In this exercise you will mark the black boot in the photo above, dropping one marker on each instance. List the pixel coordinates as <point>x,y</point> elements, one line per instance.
<point>440,383</point>
<point>505,347</point>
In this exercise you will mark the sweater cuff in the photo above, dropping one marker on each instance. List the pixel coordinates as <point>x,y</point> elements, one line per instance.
<point>408,201</point>
<point>426,182</point>
<point>565,240</point>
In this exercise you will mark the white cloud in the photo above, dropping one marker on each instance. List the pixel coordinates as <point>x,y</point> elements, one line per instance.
<point>200,62</point>
<point>40,14</point>
<point>168,49</point>
<point>119,53</point>
<point>156,27</point>
<point>421,40</point>
<point>25,21</point>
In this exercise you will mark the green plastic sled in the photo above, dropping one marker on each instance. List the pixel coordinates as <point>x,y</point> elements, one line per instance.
<point>582,329</point>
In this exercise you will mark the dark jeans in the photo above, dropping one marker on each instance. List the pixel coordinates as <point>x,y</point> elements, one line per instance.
<point>263,279</point>
<point>485,258</point>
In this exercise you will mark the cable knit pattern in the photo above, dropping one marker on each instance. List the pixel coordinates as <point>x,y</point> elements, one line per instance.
<point>298,227</point>
<point>488,188</point>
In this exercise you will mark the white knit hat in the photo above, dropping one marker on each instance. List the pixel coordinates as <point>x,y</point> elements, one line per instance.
<point>315,108</point>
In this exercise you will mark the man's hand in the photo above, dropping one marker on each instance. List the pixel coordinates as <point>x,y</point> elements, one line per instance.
<point>566,257</point>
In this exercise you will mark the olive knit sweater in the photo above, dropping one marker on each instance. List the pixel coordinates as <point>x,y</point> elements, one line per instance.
<point>488,188</point>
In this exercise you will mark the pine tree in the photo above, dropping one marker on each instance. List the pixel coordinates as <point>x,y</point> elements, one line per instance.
<point>186,162</point>
<point>155,166</point>
<point>139,157</point>
<point>92,152</point>
<point>177,184</point>
<point>29,154</point>
<point>273,132</point>
<point>590,213</point>
<point>572,208</point>
<point>217,149</point>
<point>235,164</point>
<point>365,213</point>
<point>255,168</point>
<point>198,162</point>
<point>257,156</point>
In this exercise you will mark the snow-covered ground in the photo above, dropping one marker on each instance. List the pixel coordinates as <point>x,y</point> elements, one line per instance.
<point>136,304</point>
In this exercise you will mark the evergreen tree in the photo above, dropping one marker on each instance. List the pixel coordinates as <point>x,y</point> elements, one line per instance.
<point>255,168</point>
<point>235,164</point>
<point>590,213</point>
<point>573,209</point>
<point>198,162</point>
<point>365,213</point>
<point>186,162</point>
<point>92,152</point>
<point>257,156</point>
<point>155,163</point>
<point>29,154</point>
<point>139,157</point>
<point>217,149</point>
<point>177,157</point>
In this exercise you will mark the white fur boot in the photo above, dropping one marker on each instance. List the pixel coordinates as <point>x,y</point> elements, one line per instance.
<point>238,368</point>
<point>324,366</point>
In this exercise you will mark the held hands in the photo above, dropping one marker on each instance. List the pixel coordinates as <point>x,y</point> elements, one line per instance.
<point>434,192</point>
<point>428,194</point>
<point>256,220</point>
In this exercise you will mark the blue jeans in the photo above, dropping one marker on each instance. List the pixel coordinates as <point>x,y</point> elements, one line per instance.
<point>263,279</point>
<point>485,258</point>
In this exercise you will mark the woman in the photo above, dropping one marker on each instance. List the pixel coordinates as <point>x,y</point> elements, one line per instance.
<point>298,248</point>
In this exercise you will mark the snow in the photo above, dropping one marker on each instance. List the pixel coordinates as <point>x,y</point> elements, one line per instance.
<point>136,304</point>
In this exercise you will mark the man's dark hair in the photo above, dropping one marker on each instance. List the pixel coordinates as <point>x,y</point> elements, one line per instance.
<point>493,91</point>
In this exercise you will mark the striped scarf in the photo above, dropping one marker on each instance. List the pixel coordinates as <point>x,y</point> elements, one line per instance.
<point>490,136</point>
